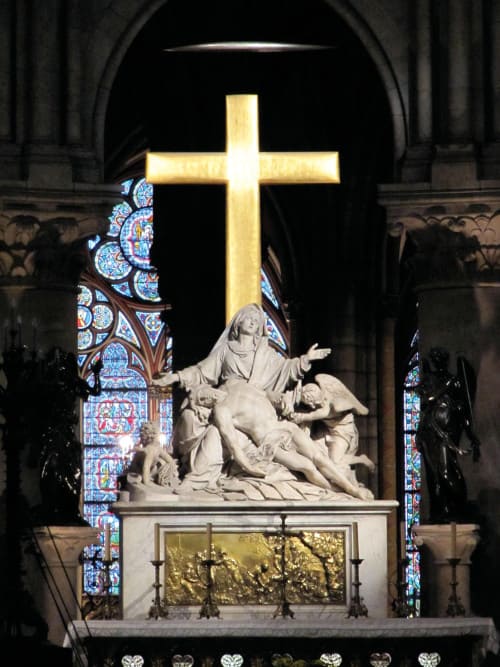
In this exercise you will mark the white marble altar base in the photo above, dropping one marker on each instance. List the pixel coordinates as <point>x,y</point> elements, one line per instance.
<point>137,534</point>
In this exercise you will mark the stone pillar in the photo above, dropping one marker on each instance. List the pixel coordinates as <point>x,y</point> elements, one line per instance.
<point>43,235</point>
<point>423,72</point>
<point>57,593</point>
<point>436,545</point>
<point>459,71</point>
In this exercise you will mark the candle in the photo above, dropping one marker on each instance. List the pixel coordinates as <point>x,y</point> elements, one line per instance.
<point>355,541</point>
<point>402,536</point>
<point>453,539</point>
<point>107,541</point>
<point>157,542</point>
<point>209,540</point>
<point>165,566</point>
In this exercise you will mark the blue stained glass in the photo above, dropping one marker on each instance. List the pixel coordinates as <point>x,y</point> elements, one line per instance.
<point>267,290</point>
<point>126,185</point>
<point>115,414</point>
<point>91,243</point>
<point>122,288</point>
<point>81,359</point>
<point>101,337</point>
<point>117,218</point>
<point>135,361</point>
<point>146,285</point>
<point>103,316</point>
<point>123,404</point>
<point>85,296</point>
<point>152,325</point>
<point>115,372</point>
<point>84,339</point>
<point>143,193</point>
<point>102,465</point>
<point>274,333</point>
<point>124,330</point>
<point>100,296</point>
<point>136,237</point>
<point>412,473</point>
<point>84,317</point>
<point>166,420</point>
<point>111,263</point>
<point>98,515</point>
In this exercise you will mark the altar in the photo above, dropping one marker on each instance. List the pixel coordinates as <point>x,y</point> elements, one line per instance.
<point>461,642</point>
<point>318,539</point>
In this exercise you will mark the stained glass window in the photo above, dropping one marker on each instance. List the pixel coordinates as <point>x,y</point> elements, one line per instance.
<point>277,325</point>
<point>119,321</point>
<point>412,473</point>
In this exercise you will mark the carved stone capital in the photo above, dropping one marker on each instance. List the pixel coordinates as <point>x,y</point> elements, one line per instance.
<point>43,233</point>
<point>456,234</point>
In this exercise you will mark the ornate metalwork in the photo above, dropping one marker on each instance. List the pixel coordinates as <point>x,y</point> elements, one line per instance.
<point>248,569</point>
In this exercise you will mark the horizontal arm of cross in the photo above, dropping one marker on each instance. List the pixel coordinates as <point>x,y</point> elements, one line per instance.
<point>199,168</point>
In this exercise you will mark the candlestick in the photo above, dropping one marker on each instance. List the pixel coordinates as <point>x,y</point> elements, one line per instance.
<point>453,539</point>
<point>165,566</point>
<point>355,541</point>
<point>157,542</point>
<point>107,541</point>
<point>209,541</point>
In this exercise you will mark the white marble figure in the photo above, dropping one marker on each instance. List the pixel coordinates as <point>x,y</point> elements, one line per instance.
<point>152,468</point>
<point>331,406</point>
<point>196,442</point>
<point>252,374</point>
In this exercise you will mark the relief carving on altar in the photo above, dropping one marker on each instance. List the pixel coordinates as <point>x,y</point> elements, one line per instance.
<point>248,568</point>
<point>249,430</point>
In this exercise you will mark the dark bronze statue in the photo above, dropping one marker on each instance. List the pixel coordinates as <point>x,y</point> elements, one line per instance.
<point>445,415</point>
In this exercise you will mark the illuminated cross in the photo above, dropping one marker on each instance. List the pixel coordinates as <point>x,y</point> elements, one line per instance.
<point>242,168</point>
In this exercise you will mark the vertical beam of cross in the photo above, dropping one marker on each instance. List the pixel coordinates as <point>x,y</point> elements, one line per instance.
<point>242,168</point>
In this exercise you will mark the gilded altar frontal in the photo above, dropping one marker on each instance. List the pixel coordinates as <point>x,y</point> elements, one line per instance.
<point>248,568</point>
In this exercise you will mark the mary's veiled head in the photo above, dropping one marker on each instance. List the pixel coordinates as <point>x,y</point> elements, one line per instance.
<point>251,320</point>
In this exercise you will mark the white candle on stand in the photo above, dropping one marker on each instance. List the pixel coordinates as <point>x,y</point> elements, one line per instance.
<point>107,541</point>
<point>209,540</point>
<point>355,541</point>
<point>402,535</point>
<point>157,542</point>
<point>453,539</point>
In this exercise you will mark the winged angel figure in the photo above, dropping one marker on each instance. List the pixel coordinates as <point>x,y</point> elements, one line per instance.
<point>328,412</point>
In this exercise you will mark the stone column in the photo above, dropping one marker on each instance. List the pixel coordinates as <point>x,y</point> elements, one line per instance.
<point>459,71</point>
<point>436,546</point>
<point>43,235</point>
<point>57,592</point>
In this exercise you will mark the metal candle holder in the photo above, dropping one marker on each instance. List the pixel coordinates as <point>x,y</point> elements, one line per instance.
<point>401,605</point>
<point>209,608</point>
<point>159,607</point>
<point>455,607</point>
<point>108,611</point>
<point>283,609</point>
<point>357,607</point>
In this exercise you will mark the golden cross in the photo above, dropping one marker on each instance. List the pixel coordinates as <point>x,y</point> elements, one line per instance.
<point>242,168</point>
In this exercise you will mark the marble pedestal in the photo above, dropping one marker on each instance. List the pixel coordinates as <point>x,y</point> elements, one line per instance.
<point>138,521</point>
<point>436,539</point>
<point>56,593</point>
